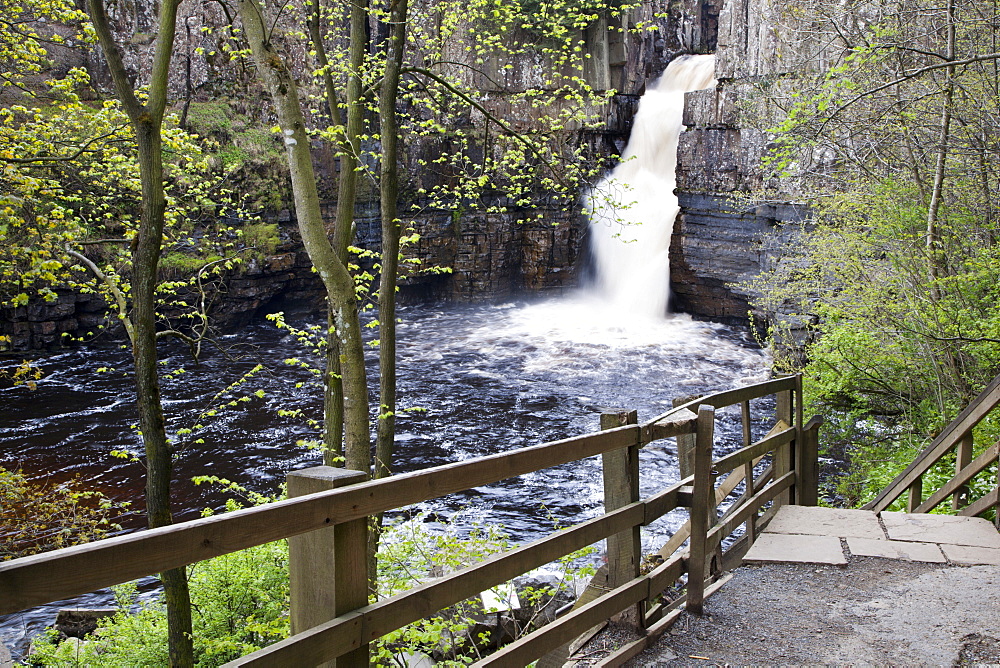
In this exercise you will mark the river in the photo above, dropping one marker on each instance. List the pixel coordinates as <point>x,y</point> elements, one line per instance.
<point>473,380</point>
<point>485,378</point>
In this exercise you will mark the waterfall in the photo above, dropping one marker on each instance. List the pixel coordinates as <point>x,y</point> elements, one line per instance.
<point>632,209</point>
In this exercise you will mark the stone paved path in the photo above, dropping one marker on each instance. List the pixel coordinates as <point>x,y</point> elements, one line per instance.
<point>800,534</point>
<point>871,612</point>
<point>849,587</point>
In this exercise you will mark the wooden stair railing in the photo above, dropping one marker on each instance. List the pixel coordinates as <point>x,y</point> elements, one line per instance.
<point>790,475</point>
<point>957,438</point>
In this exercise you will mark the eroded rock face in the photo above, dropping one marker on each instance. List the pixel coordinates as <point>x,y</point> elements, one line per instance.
<point>488,256</point>
<point>286,278</point>
<point>496,255</point>
<point>43,324</point>
<point>722,237</point>
<point>718,247</point>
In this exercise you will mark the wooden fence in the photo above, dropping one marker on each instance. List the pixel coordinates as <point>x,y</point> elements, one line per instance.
<point>956,439</point>
<point>779,468</point>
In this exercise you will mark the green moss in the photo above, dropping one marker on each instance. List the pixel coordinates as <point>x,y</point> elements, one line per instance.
<point>258,143</point>
<point>184,264</point>
<point>232,157</point>
<point>262,236</point>
<point>248,153</point>
<point>211,119</point>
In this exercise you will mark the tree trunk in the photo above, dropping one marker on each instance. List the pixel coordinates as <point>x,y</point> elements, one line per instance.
<point>316,37</point>
<point>336,396</point>
<point>333,388</point>
<point>358,455</point>
<point>146,120</point>
<point>338,281</point>
<point>935,254</point>
<point>936,258</point>
<point>145,260</point>
<point>333,398</point>
<point>389,195</point>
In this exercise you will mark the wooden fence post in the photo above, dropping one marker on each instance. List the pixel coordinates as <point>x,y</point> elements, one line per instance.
<point>807,464</point>
<point>328,568</point>
<point>963,457</point>
<point>621,487</point>
<point>685,445</point>
<point>916,495</point>
<point>703,509</point>
<point>749,488</point>
<point>996,508</point>
<point>784,455</point>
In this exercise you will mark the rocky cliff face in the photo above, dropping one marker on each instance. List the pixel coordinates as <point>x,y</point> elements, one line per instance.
<point>721,237</point>
<point>718,247</point>
<point>285,278</point>
<point>489,256</point>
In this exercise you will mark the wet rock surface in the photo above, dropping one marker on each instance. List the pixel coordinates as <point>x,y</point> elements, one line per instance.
<point>80,622</point>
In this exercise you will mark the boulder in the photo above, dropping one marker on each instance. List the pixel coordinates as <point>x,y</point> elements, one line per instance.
<point>80,622</point>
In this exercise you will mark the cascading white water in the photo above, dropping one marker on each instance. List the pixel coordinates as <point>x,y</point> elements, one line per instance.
<point>632,209</point>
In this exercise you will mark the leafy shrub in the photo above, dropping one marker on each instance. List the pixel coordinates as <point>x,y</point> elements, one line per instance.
<point>40,516</point>
<point>415,550</point>
<point>240,600</point>
<point>894,352</point>
<point>239,604</point>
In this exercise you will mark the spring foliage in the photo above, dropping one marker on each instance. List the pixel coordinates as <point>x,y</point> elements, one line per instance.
<point>240,600</point>
<point>40,516</point>
<point>895,277</point>
<point>79,195</point>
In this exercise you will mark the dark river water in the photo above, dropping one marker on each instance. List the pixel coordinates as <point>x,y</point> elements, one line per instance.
<point>484,378</point>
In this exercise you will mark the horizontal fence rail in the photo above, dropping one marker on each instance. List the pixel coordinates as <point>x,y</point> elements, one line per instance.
<point>80,569</point>
<point>957,439</point>
<point>786,448</point>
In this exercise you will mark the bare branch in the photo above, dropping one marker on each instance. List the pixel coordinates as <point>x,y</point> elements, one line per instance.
<point>96,242</point>
<point>60,158</point>
<point>115,291</point>
<point>906,76</point>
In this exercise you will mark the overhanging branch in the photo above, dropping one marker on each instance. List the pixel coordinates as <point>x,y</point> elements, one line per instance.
<point>115,291</point>
<point>59,158</point>
<point>489,115</point>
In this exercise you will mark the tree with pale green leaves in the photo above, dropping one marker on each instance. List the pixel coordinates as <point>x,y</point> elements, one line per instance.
<point>441,75</point>
<point>895,276</point>
<point>94,196</point>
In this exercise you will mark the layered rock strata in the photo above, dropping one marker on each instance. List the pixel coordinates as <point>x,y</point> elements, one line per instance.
<point>723,235</point>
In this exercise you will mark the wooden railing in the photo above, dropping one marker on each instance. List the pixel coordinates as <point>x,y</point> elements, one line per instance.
<point>955,438</point>
<point>780,468</point>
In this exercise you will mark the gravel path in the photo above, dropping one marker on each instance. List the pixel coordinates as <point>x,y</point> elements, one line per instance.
<point>871,612</point>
